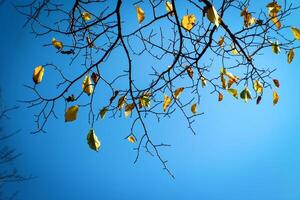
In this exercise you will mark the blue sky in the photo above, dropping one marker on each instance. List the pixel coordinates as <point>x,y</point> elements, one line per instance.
<point>241,151</point>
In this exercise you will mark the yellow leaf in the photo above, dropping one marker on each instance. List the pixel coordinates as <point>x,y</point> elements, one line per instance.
<point>221,41</point>
<point>276,22</point>
<point>296,33</point>
<point>275,98</point>
<point>86,16</point>
<point>229,75</point>
<point>188,22</point>
<point>144,100</point>
<point>223,81</point>
<point>169,8</point>
<point>230,82</point>
<point>71,113</point>
<point>177,92</point>
<point>258,87</point>
<point>121,102</point>
<point>128,109</point>
<point>233,92</point>
<point>245,95</point>
<point>190,72</point>
<point>103,112</point>
<point>93,140</point>
<point>194,108</point>
<point>274,8</point>
<point>140,14</point>
<point>248,19</point>
<point>275,47</point>
<point>87,86</point>
<point>213,16</point>
<point>131,139</point>
<point>234,51</point>
<point>203,81</point>
<point>57,44</point>
<point>167,102</point>
<point>38,74</point>
<point>291,55</point>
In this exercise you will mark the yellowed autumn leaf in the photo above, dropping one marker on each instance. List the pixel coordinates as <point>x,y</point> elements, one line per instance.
<point>296,33</point>
<point>220,96</point>
<point>203,81</point>
<point>167,102</point>
<point>144,100</point>
<point>131,139</point>
<point>128,109</point>
<point>245,94</point>
<point>140,14</point>
<point>248,19</point>
<point>229,75</point>
<point>57,44</point>
<point>190,72</point>
<point>275,98</point>
<point>276,47</point>
<point>223,81</point>
<point>121,102</point>
<point>233,92</point>
<point>230,82</point>
<point>93,141</point>
<point>71,113</point>
<point>234,51</point>
<point>86,16</point>
<point>258,87</point>
<point>169,8</point>
<point>213,16</point>
<point>194,108</point>
<point>188,22</point>
<point>38,74</point>
<point>87,85</point>
<point>221,41</point>
<point>103,112</point>
<point>178,92</point>
<point>290,56</point>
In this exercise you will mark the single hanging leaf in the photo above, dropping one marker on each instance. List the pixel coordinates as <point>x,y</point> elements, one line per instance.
<point>276,83</point>
<point>203,81</point>
<point>95,77</point>
<point>128,109</point>
<point>38,74</point>
<point>167,102</point>
<point>245,95</point>
<point>258,87</point>
<point>233,92</point>
<point>169,8</point>
<point>57,44</point>
<point>177,92</point>
<point>220,96</point>
<point>230,82</point>
<point>70,98</point>
<point>229,75</point>
<point>188,22</point>
<point>103,112</point>
<point>291,55</point>
<point>144,100</point>
<point>213,16</point>
<point>93,140</point>
<point>223,81</point>
<point>194,108</point>
<point>89,42</point>
<point>190,72</point>
<point>86,16</point>
<point>276,47</point>
<point>275,98</point>
<point>296,33</point>
<point>87,86</point>
<point>71,113</point>
<point>221,41</point>
<point>121,102</point>
<point>234,51</point>
<point>131,139</point>
<point>140,14</point>
<point>258,100</point>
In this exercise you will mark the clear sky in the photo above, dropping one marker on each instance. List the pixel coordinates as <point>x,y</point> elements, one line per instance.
<point>241,151</point>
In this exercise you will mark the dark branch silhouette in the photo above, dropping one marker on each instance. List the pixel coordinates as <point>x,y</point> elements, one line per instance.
<point>90,37</point>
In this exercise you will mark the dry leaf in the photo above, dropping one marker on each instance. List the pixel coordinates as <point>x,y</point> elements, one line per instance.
<point>140,14</point>
<point>296,33</point>
<point>93,140</point>
<point>233,92</point>
<point>194,108</point>
<point>87,86</point>
<point>128,109</point>
<point>169,8</point>
<point>131,139</point>
<point>38,74</point>
<point>188,22</point>
<point>86,16</point>
<point>167,102</point>
<point>275,98</point>
<point>71,113</point>
<point>177,92</point>
<point>213,16</point>
<point>276,83</point>
<point>121,102</point>
<point>290,56</point>
<point>57,44</point>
